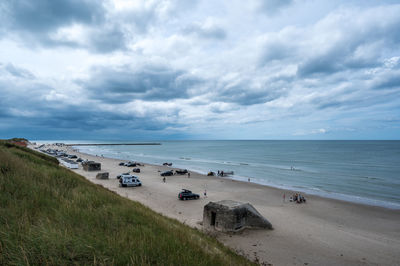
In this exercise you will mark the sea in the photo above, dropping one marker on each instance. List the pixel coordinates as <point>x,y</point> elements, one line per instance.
<point>366,172</point>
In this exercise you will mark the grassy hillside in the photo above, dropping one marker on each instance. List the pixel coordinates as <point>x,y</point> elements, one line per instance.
<point>49,215</point>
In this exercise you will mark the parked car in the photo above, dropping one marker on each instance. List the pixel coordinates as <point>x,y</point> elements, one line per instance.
<point>121,164</point>
<point>72,156</point>
<point>167,173</point>
<point>129,181</point>
<point>181,171</point>
<point>130,164</point>
<point>167,164</point>
<point>124,174</point>
<point>136,170</point>
<point>187,194</point>
<point>79,160</point>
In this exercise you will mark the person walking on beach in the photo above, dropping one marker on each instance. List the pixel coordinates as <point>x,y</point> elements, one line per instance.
<point>205,193</point>
<point>163,179</point>
<point>188,174</point>
<point>284,197</point>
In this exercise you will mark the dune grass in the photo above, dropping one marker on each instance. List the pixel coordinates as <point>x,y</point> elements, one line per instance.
<point>50,215</point>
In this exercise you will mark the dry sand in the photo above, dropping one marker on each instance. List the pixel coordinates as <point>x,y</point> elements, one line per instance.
<point>320,232</point>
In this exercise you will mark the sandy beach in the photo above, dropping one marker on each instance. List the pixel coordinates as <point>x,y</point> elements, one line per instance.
<point>319,232</point>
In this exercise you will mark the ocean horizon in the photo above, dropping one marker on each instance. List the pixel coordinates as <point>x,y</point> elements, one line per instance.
<point>361,171</point>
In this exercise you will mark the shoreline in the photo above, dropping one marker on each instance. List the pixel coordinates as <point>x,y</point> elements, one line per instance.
<point>304,190</point>
<point>321,232</point>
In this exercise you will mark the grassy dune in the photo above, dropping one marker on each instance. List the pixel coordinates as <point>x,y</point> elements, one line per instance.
<point>49,215</point>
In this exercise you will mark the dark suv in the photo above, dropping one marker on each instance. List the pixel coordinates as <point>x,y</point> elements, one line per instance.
<point>187,194</point>
<point>167,173</point>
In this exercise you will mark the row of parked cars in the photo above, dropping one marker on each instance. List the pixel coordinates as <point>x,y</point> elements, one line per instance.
<point>178,172</point>
<point>130,164</point>
<point>58,153</point>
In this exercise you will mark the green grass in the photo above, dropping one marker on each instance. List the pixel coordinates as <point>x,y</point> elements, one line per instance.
<point>50,215</point>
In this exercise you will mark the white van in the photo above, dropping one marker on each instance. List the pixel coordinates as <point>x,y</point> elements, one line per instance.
<point>129,181</point>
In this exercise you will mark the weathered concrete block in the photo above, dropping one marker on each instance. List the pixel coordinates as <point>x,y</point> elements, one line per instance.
<point>91,166</point>
<point>102,175</point>
<point>232,216</point>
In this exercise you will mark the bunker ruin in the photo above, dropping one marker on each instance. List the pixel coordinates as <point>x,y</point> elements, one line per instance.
<point>91,166</point>
<point>232,216</point>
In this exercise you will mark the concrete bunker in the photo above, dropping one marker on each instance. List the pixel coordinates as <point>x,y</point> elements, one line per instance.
<point>232,216</point>
<point>91,166</point>
<point>104,175</point>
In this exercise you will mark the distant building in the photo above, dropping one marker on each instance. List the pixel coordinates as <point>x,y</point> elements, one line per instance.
<point>232,216</point>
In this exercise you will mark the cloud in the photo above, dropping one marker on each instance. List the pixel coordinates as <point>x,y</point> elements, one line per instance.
<point>245,92</point>
<point>36,20</point>
<point>150,82</point>
<point>106,40</point>
<point>310,132</point>
<point>46,15</point>
<point>351,39</point>
<point>272,7</point>
<point>16,71</point>
<point>102,26</point>
<point>389,80</point>
<point>189,67</point>
<point>207,30</point>
<point>26,105</point>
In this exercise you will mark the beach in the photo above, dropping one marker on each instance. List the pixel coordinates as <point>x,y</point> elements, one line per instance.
<point>320,232</point>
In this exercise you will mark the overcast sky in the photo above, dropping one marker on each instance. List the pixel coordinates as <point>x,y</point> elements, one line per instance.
<point>178,69</point>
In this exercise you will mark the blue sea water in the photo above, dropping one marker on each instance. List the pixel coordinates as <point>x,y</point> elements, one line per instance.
<point>359,171</point>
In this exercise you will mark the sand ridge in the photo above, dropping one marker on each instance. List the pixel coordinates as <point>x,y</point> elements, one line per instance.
<point>320,232</point>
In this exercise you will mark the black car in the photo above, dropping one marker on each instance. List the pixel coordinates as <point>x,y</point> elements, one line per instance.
<point>119,176</point>
<point>121,164</point>
<point>181,172</point>
<point>187,194</point>
<point>79,160</point>
<point>167,173</point>
<point>130,164</point>
<point>136,170</point>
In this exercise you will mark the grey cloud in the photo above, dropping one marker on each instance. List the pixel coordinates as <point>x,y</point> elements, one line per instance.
<point>47,15</point>
<point>389,80</point>
<point>144,16</point>
<point>18,71</point>
<point>124,84</point>
<point>319,65</point>
<point>36,22</point>
<point>272,7</point>
<point>358,42</point>
<point>206,31</point>
<point>23,108</point>
<point>340,58</point>
<point>276,50</point>
<point>244,93</point>
<point>106,40</point>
